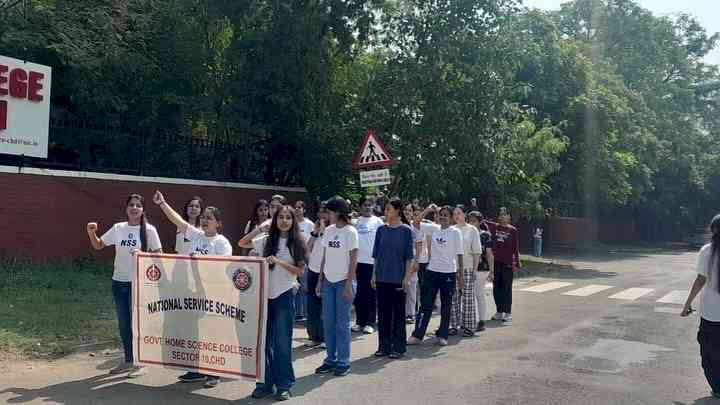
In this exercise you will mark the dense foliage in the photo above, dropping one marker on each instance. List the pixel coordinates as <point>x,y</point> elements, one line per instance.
<point>600,108</point>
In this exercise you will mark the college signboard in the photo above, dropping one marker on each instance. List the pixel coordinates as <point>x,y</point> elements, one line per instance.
<point>24,107</point>
<point>204,313</point>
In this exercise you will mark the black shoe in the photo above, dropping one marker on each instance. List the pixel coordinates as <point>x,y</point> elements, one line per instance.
<point>342,371</point>
<point>453,332</point>
<point>481,326</point>
<point>324,369</point>
<point>410,320</point>
<point>212,382</point>
<point>396,355</point>
<point>282,395</point>
<point>261,393</point>
<point>191,377</point>
<point>381,353</point>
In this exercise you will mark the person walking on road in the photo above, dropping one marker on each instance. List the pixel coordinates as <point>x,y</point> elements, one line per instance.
<point>446,264</point>
<point>128,237</point>
<point>393,254</point>
<point>465,307</point>
<point>506,247</point>
<point>284,248</point>
<point>707,282</point>
<point>366,300</point>
<point>337,286</point>
<point>486,268</point>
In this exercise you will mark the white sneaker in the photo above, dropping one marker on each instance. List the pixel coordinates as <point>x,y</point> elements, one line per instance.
<point>413,341</point>
<point>499,316</point>
<point>356,328</point>
<point>442,342</point>
<point>368,330</point>
<point>137,371</point>
<point>507,321</point>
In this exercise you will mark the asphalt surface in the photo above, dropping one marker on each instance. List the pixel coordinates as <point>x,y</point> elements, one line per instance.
<point>610,342</point>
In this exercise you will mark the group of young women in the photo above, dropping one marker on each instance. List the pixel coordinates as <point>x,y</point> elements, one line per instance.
<point>379,264</point>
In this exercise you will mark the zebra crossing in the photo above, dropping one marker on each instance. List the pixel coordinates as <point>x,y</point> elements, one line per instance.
<point>620,294</point>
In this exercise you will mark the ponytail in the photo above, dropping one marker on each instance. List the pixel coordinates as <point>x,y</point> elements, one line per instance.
<point>715,246</point>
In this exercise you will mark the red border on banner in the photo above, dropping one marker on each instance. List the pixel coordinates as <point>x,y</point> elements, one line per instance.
<point>261,297</point>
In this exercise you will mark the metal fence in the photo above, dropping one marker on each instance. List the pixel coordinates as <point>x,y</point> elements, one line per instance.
<point>97,147</point>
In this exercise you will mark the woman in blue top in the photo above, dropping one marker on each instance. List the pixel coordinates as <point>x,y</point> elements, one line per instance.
<point>393,254</point>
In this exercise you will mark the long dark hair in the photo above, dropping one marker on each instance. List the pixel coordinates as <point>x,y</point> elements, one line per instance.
<point>295,242</point>
<point>715,242</point>
<point>143,221</point>
<point>398,205</point>
<point>185,215</point>
<point>254,220</point>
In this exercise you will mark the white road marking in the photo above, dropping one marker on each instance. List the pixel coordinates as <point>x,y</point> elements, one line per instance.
<point>588,290</point>
<point>631,294</point>
<point>668,310</point>
<point>674,297</point>
<point>547,287</point>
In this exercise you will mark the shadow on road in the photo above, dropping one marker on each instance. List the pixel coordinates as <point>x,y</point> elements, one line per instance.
<point>96,390</point>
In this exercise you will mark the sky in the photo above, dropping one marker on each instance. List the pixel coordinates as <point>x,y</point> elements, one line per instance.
<point>707,12</point>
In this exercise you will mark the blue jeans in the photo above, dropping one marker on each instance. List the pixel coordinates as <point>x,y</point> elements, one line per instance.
<point>278,343</point>
<point>122,292</point>
<point>538,247</point>
<point>301,296</point>
<point>336,321</point>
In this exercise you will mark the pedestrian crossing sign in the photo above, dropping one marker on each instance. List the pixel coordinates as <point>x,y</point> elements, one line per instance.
<point>372,153</point>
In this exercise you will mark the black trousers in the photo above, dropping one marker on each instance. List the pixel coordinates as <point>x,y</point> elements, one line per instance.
<point>432,283</point>
<point>502,287</point>
<point>365,300</point>
<point>314,323</point>
<point>709,339</point>
<point>392,335</point>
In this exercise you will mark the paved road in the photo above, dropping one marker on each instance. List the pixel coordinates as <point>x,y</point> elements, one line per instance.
<point>596,334</point>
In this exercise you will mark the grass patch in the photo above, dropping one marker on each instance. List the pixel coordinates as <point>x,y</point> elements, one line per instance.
<point>48,309</point>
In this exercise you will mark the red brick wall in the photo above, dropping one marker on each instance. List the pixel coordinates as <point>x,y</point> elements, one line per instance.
<point>43,217</point>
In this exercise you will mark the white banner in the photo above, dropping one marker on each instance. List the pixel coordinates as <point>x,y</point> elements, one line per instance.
<point>24,107</point>
<point>202,313</point>
<point>374,178</point>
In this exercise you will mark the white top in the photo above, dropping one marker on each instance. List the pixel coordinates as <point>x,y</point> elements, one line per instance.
<point>281,280</point>
<point>447,244</point>
<point>306,227</point>
<point>472,246</point>
<point>709,297</point>
<point>126,238</point>
<point>316,256</point>
<point>200,244</point>
<point>426,229</point>
<point>366,229</point>
<point>338,243</point>
<point>182,244</point>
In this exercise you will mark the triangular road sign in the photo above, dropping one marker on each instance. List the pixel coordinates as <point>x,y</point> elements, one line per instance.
<point>372,153</point>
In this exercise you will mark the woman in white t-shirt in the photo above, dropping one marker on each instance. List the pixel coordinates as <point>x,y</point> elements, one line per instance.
<point>314,323</point>
<point>708,281</point>
<point>411,297</point>
<point>192,211</point>
<point>446,264</point>
<point>127,237</point>
<point>337,286</point>
<point>284,247</point>
<point>206,241</point>
<point>464,307</point>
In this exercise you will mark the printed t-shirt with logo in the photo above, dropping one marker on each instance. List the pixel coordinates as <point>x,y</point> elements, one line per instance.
<point>447,244</point>
<point>281,280</point>
<point>338,243</point>
<point>126,238</point>
<point>426,229</point>
<point>200,244</point>
<point>366,229</point>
